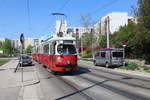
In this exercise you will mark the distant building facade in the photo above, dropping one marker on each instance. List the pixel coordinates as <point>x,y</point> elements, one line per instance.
<point>112,22</point>
<point>78,30</point>
<point>16,43</point>
<point>31,41</point>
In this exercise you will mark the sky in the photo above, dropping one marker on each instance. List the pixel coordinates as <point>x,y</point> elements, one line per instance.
<point>34,17</point>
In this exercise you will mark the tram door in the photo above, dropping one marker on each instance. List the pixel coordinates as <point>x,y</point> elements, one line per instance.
<point>52,54</point>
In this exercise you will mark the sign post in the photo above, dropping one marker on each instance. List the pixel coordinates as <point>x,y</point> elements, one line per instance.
<point>22,43</point>
<point>124,45</point>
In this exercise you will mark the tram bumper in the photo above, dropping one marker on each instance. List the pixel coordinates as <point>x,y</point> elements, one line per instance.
<point>66,68</point>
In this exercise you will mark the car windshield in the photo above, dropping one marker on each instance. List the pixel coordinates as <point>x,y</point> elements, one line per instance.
<point>66,49</point>
<point>117,54</point>
<point>25,57</point>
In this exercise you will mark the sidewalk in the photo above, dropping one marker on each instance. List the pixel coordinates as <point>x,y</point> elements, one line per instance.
<point>9,79</point>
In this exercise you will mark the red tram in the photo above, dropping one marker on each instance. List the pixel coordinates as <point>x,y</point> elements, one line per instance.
<point>58,54</point>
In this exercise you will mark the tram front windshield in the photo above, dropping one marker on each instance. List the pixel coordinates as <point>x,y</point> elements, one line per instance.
<point>66,49</point>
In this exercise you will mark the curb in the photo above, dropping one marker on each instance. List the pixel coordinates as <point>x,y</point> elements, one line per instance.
<point>129,72</point>
<point>136,73</point>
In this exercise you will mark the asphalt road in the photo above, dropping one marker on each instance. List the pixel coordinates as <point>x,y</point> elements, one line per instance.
<point>92,83</point>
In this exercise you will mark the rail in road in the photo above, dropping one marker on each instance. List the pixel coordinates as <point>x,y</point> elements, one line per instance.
<point>111,72</point>
<point>93,84</point>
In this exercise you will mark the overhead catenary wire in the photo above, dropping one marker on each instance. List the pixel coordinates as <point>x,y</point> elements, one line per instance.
<point>103,7</point>
<point>63,6</point>
<point>100,8</point>
<point>49,26</point>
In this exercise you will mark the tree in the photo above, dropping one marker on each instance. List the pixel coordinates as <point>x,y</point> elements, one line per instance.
<point>102,41</point>
<point>28,49</point>
<point>137,35</point>
<point>87,39</point>
<point>7,47</point>
<point>143,35</point>
<point>1,45</point>
<point>127,32</point>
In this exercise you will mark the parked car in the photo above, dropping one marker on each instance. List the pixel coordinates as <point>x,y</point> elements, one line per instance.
<point>109,57</point>
<point>25,60</point>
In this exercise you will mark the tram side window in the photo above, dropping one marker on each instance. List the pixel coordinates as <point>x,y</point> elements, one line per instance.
<point>54,45</point>
<point>37,50</point>
<point>51,49</point>
<point>103,54</point>
<point>46,48</point>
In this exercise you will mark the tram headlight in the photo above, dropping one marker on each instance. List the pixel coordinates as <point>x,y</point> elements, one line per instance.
<point>59,59</point>
<point>68,62</point>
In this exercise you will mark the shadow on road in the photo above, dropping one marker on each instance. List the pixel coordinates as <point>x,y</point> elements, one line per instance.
<point>80,70</point>
<point>81,91</point>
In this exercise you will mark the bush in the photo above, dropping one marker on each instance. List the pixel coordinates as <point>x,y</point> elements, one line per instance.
<point>3,55</point>
<point>146,68</point>
<point>136,67</point>
<point>130,67</point>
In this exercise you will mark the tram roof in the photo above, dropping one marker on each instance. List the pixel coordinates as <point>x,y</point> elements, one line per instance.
<point>55,38</point>
<point>61,38</point>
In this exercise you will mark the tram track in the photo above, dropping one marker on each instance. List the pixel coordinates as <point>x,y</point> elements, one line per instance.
<point>113,73</point>
<point>119,80</point>
<point>125,93</point>
<point>75,87</point>
<point>106,70</point>
<point>100,80</point>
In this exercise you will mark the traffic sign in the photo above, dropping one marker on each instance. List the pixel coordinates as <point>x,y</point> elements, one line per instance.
<point>22,38</point>
<point>124,43</point>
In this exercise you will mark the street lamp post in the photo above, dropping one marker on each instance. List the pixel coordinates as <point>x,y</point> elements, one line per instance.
<point>124,45</point>
<point>107,26</point>
<point>22,42</point>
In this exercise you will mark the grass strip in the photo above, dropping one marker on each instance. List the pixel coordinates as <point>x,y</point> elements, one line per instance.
<point>2,62</point>
<point>135,67</point>
<point>86,59</point>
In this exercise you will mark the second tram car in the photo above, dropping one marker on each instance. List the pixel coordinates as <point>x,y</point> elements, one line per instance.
<point>58,54</point>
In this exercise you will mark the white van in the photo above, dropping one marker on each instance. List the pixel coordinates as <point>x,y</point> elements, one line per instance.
<point>109,57</point>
